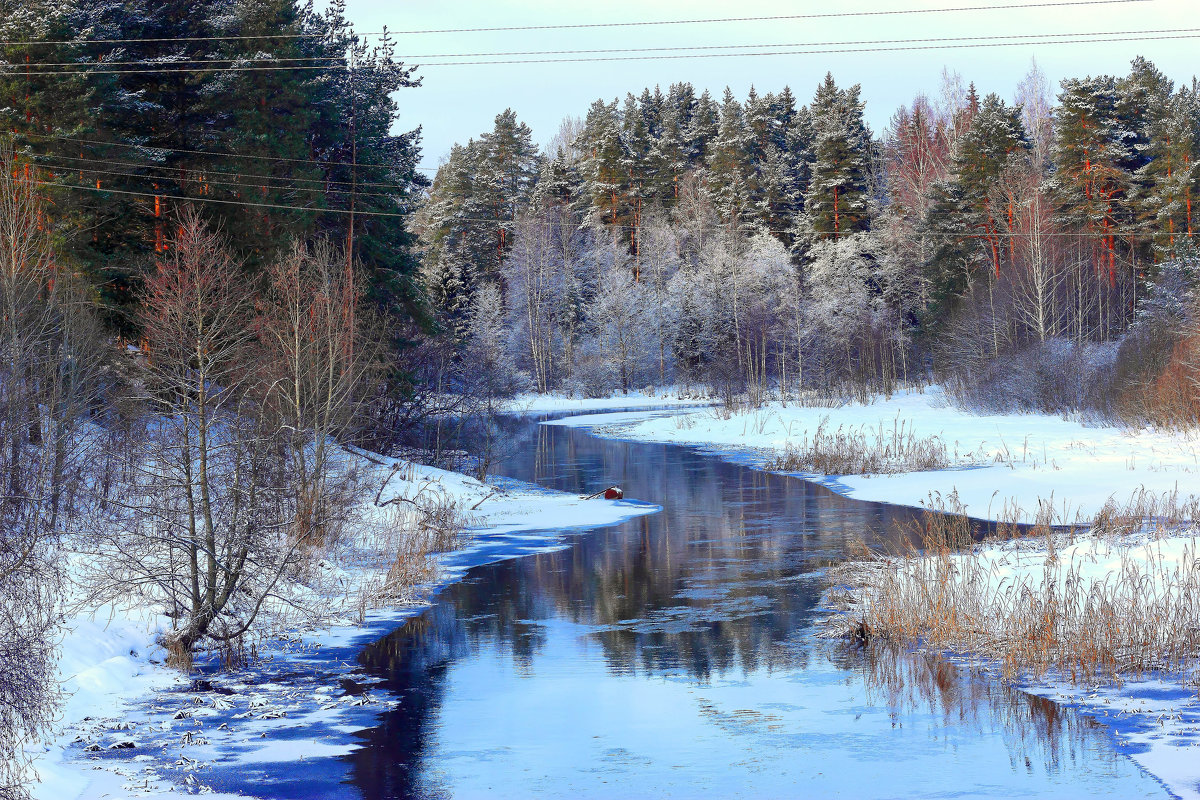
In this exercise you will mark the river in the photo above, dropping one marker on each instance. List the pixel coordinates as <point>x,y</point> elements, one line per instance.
<point>674,655</point>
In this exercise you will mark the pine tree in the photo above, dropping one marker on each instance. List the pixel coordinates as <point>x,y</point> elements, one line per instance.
<point>1092,152</point>
<point>1170,181</point>
<point>968,221</point>
<point>838,201</point>
<point>606,182</point>
<point>507,170</point>
<point>724,175</point>
<point>702,128</point>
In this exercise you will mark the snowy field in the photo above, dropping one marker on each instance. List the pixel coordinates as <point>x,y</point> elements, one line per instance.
<point>1002,464</point>
<point>131,728</point>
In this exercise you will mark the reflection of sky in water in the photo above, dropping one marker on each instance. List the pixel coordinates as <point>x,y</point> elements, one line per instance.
<point>673,656</point>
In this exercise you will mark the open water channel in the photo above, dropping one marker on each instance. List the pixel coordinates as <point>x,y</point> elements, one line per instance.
<point>674,656</point>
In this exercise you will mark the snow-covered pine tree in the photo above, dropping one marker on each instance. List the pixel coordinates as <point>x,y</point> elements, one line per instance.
<point>1170,181</point>
<point>724,176</point>
<point>968,223</point>
<point>1092,153</point>
<point>702,128</point>
<point>506,173</point>
<point>605,179</point>
<point>838,200</point>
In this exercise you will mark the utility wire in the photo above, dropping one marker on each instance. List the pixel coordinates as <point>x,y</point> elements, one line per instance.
<point>309,209</point>
<point>100,143</point>
<point>42,160</point>
<point>279,206</point>
<point>220,182</point>
<point>973,43</point>
<point>507,53</point>
<point>583,25</point>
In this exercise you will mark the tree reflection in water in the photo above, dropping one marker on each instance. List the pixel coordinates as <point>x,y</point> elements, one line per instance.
<point>719,589</point>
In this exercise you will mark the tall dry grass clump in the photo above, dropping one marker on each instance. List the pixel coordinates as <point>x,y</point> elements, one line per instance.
<point>1123,600</point>
<point>862,451</point>
<point>410,531</point>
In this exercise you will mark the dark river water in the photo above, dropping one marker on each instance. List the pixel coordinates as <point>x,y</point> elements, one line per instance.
<point>674,656</point>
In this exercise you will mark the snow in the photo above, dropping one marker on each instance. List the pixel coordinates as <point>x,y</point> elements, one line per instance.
<point>1002,463</point>
<point>110,662</point>
<point>675,397</point>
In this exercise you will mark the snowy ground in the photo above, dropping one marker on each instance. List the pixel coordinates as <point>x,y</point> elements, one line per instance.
<point>668,397</point>
<point>1002,462</point>
<point>133,728</point>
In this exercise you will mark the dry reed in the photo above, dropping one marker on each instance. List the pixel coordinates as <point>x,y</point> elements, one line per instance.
<point>1122,600</point>
<point>862,451</point>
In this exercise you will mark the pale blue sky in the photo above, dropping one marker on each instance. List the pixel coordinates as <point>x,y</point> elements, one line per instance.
<point>458,102</point>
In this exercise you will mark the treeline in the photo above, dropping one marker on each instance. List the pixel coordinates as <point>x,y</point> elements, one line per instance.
<point>272,118</point>
<point>760,244</point>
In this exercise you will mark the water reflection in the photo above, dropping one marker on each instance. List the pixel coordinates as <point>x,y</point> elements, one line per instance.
<point>674,654</point>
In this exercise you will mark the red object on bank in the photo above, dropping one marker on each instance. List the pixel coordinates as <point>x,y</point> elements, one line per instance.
<point>613,493</point>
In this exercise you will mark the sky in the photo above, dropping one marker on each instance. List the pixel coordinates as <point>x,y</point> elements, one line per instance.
<point>455,103</point>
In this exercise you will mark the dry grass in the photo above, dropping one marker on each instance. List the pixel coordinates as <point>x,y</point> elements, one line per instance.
<point>862,451</point>
<point>412,532</point>
<point>1046,602</point>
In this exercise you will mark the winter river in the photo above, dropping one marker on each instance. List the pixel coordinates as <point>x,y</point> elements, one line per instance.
<point>674,656</point>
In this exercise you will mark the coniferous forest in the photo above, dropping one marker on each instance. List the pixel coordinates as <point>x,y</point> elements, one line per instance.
<point>762,243</point>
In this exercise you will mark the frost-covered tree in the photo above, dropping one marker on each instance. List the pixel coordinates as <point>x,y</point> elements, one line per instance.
<point>838,199</point>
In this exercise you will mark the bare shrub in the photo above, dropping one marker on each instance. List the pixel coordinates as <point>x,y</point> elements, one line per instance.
<point>411,532</point>
<point>862,451</point>
<point>51,382</point>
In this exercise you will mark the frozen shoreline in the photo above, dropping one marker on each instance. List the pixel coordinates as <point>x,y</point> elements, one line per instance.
<point>1077,468</point>
<point>111,668</point>
<point>1002,466</point>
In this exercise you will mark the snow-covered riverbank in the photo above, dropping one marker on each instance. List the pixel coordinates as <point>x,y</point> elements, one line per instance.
<point>671,397</point>
<point>111,668</point>
<point>1000,463</point>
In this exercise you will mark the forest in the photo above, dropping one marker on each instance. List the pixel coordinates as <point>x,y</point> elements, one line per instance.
<point>222,271</point>
<point>1033,252</point>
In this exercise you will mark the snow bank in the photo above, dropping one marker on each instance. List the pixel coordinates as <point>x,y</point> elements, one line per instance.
<point>1002,462</point>
<point>110,662</point>
<point>533,403</point>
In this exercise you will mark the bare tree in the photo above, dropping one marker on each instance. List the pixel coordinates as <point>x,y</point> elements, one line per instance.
<point>231,483</point>
<point>319,366</point>
<point>51,366</point>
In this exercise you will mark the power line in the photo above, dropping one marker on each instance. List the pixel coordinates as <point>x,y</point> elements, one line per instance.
<point>969,42</point>
<point>206,172</point>
<point>500,54</point>
<point>779,18</point>
<point>839,51</point>
<point>278,206</point>
<point>219,182</point>
<point>282,159</point>
<point>584,25</point>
